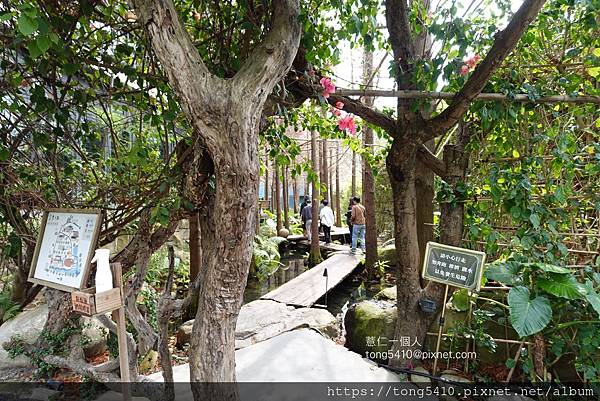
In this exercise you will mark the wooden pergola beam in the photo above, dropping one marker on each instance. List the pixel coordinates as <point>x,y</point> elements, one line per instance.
<point>495,97</point>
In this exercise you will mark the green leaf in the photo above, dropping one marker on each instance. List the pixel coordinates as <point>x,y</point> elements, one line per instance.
<point>504,272</point>
<point>535,220</point>
<point>43,43</point>
<point>562,285</point>
<point>26,24</point>
<point>6,16</point>
<point>592,296</point>
<point>548,268</point>
<point>460,300</point>
<point>34,52</point>
<point>528,316</point>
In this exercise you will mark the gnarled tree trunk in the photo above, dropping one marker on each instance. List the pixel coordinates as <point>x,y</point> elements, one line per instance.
<point>225,115</point>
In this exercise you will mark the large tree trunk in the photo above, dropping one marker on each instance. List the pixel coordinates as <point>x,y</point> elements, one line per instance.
<point>425,207</point>
<point>224,115</point>
<point>368,181</point>
<point>412,322</point>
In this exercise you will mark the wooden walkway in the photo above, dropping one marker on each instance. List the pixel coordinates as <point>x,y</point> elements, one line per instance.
<point>306,289</point>
<point>335,232</point>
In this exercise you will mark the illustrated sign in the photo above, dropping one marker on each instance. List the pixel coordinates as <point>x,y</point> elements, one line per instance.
<point>454,266</point>
<point>65,248</point>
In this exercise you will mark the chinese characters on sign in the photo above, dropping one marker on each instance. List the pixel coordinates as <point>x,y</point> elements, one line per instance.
<point>454,266</point>
<point>64,247</point>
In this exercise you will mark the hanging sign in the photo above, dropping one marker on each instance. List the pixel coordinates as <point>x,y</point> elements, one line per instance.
<point>453,266</point>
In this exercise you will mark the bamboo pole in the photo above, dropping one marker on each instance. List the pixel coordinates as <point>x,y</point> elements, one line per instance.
<point>497,97</point>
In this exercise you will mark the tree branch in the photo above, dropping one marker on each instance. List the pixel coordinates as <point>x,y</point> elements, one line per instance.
<point>269,62</point>
<point>398,25</point>
<point>430,160</point>
<point>504,43</point>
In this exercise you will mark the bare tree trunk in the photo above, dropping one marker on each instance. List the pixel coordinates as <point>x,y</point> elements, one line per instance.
<point>268,196</point>
<point>368,181</point>
<point>195,257</point>
<point>276,174</point>
<point>353,185</point>
<point>295,195</point>
<point>315,246</point>
<point>338,206</point>
<point>325,169</point>
<point>224,115</point>
<point>286,198</point>
<point>425,195</point>
<point>412,322</point>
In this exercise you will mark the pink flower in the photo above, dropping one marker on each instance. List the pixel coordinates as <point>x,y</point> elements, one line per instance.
<point>347,124</point>
<point>335,111</point>
<point>472,61</point>
<point>339,105</point>
<point>464,70</point>
<point>328,87</point>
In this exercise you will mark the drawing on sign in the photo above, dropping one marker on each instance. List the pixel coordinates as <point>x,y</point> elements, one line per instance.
<point>63,253</point>
<point>453,266</point>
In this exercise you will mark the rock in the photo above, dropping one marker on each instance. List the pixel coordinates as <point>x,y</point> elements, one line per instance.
<point>387,294</point>
<point>44,394</point>
<point>296,356</point>
<point>284,232</point>
<point>114,396</point>
<point>96,334</point>
<point>388,254</point>
<point>420,379</point>
<point>370,326</point>
<point>263,319</point>
<point>28,325</point>
<point>184,333</point>
<point>319,319</point>
<point>148,362</point>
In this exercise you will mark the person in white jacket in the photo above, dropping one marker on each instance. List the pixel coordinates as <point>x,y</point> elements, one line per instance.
<point>326,217</point>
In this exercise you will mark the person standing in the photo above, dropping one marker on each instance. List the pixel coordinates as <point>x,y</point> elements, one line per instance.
<point>349,217</point>
<point>326,216</point>
<point>358,224</point>
<point>307,219</point>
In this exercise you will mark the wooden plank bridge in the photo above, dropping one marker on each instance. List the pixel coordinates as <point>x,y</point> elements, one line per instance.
<point>306,289</point>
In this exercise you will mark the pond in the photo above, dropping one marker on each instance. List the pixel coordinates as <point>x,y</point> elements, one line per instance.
<point>293,264</point>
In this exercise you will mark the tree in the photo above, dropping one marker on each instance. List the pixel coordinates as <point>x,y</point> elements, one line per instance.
<point>368,181</point>
<point>224,114</point>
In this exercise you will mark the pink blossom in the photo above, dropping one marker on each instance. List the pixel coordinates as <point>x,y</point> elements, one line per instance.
<point>471,62</point>
<point>347,124</point>
<point>464,70</point>
<point>339,105</point>
<point>335,111</point>
<point>328,87</point>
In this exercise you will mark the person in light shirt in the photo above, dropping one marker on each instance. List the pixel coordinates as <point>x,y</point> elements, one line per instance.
<point>326,216</point>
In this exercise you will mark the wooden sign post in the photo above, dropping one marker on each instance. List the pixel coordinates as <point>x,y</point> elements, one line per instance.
<point>87,302</point>
<point>452,266</point>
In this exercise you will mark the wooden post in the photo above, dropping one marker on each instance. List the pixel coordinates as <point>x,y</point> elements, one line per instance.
<point>119,318</point>
<point>439,340</point>
<point>286,197</point>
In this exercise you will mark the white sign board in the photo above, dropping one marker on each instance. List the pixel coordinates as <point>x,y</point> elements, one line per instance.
<point>65,247</point>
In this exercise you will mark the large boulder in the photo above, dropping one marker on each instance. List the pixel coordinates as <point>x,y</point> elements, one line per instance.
<point>387,294</point>
<point>263,319</point>
<point>30,323</point>
<point>388,254</point>
<point>370,326</point>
